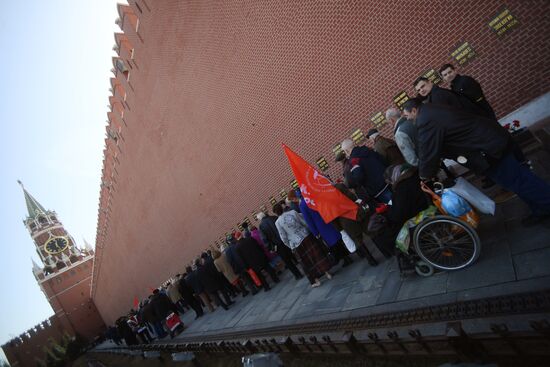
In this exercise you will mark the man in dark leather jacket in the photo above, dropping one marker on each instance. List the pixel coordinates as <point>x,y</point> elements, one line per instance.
<point>431,93</point>
<point>467,86</point>
<point>478,143</point>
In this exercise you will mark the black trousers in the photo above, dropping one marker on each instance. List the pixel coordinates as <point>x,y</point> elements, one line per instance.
<point>195,304</point>
<point>216,297</point>
<point>272,274</point>
<point>339,251</point>
<point>288,258</point>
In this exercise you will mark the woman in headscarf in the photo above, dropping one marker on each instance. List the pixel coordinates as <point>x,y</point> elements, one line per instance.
<point>296,235</point>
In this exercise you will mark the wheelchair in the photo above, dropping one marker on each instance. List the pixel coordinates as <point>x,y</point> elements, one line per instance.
<point>440,241</point>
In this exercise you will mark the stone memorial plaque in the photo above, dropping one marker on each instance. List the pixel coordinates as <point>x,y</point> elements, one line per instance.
<point>272,200</point>
<point>263,209</point>
<point>432,76</point>
<point>503,22</point>
<point>358,136</point>
<point>283,193</point>
<point>337,149</point>
<point>322,164</point>
<point>378,120</point>
<point>400,99</point>
<point>463,53</point>
<point>294,184</point>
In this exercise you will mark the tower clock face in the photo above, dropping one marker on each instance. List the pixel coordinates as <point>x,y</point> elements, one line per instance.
<point>56,245</point>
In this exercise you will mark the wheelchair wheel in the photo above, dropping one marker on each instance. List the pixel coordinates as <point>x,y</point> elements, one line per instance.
<point>447,243</point>
<point>423,269</point>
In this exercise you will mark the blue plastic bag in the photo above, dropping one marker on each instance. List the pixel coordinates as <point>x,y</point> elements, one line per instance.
<point>454,204</point>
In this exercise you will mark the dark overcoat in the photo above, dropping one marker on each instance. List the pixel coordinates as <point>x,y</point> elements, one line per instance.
<point>208,276</point>
<point>162,305</point>
<point>192,279</point>
<point>251,254</point>
<point>446,132</point>
<point>470,88</point>
<point>367,170</point>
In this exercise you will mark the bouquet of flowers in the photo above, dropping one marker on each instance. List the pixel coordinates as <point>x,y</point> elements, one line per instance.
<point>513,127</point>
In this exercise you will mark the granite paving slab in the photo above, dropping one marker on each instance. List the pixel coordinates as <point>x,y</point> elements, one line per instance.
<point>532,264</point>
<point>415,287</point>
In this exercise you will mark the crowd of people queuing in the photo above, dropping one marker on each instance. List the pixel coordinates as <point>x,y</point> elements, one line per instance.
<point>456,123</point>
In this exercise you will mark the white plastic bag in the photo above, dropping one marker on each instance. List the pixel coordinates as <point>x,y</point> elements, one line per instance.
<point>476,198</point>
<point>350,244</point>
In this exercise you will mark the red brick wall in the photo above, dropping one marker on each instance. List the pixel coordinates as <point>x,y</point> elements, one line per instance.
<point>25,349</point>
<point>215,87</point>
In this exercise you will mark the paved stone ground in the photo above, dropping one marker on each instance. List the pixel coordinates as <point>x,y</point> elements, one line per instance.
<point>514,259</point>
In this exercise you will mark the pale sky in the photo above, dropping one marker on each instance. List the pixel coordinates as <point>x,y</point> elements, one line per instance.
<point>55,67</point>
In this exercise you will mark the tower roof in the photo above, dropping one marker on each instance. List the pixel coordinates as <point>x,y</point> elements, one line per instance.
<point>33,206</point>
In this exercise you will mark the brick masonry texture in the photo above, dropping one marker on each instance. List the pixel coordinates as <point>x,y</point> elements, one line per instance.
<point>215,87</point>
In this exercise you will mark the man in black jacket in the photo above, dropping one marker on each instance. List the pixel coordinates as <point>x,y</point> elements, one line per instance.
<point>480,144</point>
<point>254,258</point>
<point>468,87</point>
<point>208,276</point>
<point>430,93</point>
<point>270,236</point>
<point>192,279</point>
<point>187,294</point>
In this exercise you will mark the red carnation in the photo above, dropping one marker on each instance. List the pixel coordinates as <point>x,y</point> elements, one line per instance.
<point>516,123</point>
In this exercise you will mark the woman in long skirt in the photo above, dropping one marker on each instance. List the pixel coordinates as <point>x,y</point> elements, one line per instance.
<point>295,234</point>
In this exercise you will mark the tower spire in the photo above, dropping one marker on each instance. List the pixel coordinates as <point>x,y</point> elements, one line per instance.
<point>33,206</point>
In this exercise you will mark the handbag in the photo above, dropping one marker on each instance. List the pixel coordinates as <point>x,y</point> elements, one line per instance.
<point>474,196</point>
<point>173,321</point>
<point>254,277</point>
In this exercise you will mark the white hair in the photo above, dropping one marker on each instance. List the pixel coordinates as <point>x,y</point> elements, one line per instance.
<point>393,113</point>
<point>347,145</point>
<point>260,216</point>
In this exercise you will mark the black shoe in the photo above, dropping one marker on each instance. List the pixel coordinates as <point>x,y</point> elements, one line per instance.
<point>267,288</point>
<point>244,294</point>
<point>533,220</point>
<point>298,277</point>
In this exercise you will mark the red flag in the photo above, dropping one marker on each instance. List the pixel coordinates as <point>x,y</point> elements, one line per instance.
<point>136,303</point>
<point>318,192</point>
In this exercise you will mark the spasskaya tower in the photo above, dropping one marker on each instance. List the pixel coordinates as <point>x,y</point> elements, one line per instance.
<point>65,274</point>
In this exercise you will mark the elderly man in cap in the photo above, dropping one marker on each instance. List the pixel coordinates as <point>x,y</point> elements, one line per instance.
<point>387,148</point>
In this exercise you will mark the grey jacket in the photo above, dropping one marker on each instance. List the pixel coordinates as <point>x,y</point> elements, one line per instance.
<point>405,137</point>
